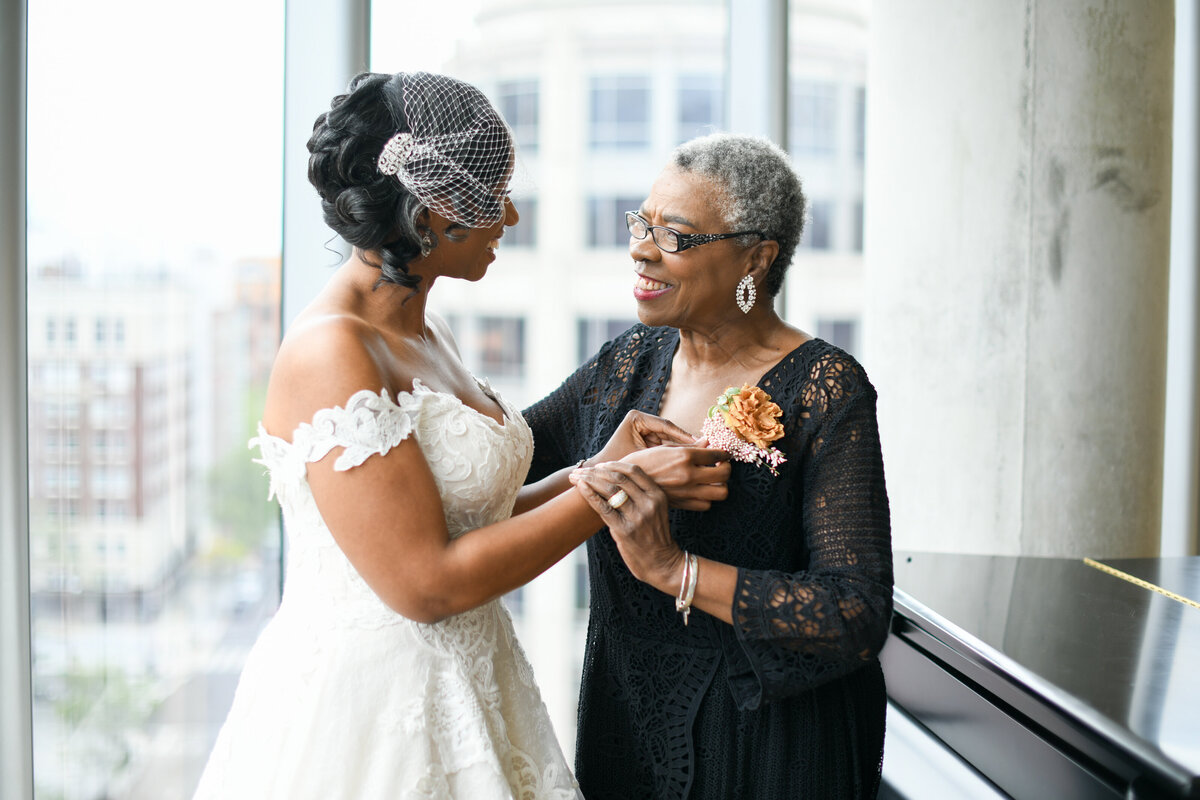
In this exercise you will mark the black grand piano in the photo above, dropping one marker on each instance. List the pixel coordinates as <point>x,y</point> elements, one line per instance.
<point>1047,678</point>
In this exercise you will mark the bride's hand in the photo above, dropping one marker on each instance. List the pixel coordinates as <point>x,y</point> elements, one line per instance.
<point>693,478</point>
<point>639,430</point>
<point>638,523</point>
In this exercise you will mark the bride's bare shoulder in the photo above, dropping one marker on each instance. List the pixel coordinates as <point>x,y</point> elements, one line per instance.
<point>322,361</point>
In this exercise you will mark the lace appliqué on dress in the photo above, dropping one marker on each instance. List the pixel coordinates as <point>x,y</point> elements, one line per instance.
<point>343,697</point>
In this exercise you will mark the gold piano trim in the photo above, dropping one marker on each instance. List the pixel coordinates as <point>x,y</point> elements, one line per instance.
<point>1125,576</point>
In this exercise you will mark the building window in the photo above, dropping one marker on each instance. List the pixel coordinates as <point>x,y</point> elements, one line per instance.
<point>814,119</point>
<point>620,111</point>
<point>858,227</point>
<point>817,234</point>
<point>524,233</point>
<point>841,333</point>
<point>101,331</point>
<point>606,220</point>
<point>700,107</point>
<point>500,346</point>
<point>593,332</point>
<point>518,104</point>
<point>860,122</point>
<point>51,331</point>
<point>71,446</point>
<point>69,334</point>
<point>582,587</point>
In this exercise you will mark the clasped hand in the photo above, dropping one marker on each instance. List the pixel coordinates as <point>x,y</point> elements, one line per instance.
<point>660,465</point>
<point>639,524</point>
<point>691,474</point>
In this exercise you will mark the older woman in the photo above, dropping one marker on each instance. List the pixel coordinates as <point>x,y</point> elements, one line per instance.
<point>767,683</point>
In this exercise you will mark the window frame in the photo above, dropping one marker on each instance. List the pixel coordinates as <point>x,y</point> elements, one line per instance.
<point>607,96</point>
<point>16,666</point>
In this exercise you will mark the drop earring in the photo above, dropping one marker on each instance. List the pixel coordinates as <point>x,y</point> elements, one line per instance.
<point>745,294</point>
<point>426,244</point>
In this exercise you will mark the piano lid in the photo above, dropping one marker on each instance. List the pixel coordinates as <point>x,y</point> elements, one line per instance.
<point>1115,642</point>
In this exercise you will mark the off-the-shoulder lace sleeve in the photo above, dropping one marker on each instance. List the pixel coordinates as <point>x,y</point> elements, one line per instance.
<point>370,423</point>
<point>798,630</point>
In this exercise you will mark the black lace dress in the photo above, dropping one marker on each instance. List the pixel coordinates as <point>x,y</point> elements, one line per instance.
<point>788,702</point>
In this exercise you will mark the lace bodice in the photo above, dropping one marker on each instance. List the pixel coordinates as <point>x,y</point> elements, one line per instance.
<point>477,463</point>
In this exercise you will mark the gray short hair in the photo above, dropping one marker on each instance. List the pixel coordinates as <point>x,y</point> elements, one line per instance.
<point>759,190</point>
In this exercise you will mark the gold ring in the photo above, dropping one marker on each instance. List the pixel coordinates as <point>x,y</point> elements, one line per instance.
<point>618,499</point>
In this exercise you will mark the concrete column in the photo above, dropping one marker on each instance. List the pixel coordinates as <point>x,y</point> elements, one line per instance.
<point>1018,206</point>
<point>16,696</point>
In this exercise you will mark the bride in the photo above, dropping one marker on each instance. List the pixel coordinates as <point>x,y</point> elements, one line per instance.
<point>391,668</point>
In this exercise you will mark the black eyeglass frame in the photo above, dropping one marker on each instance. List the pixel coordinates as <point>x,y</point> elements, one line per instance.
<point>685,240</point>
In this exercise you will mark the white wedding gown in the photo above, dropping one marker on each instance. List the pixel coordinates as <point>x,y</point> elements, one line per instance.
<point>342,697</point>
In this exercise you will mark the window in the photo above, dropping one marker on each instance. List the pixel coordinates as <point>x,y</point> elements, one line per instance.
<point>591,333</point>
<point>138,512</point>
<point>582,587</point>
<point>620,112</point>
<point>500,346</point>
<point>841,333</point>
<point>700,107</point>
<point>518,104</point>
<point>813,112</point>
<point>606,220</point>
<point>858,227</point>
<point>817,233</point>
<point>860,122</point>
<point>524,233</point>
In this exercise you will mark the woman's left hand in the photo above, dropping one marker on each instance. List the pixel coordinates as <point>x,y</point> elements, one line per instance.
<point>638,520</point>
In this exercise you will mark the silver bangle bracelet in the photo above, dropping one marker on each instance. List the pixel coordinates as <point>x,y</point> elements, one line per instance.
<point>687,585</point>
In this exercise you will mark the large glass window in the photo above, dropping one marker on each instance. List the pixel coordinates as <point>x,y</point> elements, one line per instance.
<point>518,103</point>
<point>524,234</point>
<point>620,107</point>
<point>153,177</point>
<point>499,346</point>
<point>592,332</point>
<point>818,233</point>
<point>700,105</point>
<point>813,124</point>
<point>841,333</point>
<point>606,220</point>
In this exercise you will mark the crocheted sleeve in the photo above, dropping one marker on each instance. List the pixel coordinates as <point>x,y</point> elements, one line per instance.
<point>799,630</point>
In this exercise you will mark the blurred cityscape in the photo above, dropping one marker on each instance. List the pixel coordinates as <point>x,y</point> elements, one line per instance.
<point>155,553</point>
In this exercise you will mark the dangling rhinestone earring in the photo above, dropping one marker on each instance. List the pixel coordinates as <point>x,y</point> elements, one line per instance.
<point>745,294</point>
<point>426,244</point>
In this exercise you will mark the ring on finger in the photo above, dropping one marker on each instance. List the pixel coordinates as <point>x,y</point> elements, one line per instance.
<point>618,499</point>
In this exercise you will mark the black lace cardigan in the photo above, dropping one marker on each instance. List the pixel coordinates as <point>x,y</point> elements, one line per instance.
<point>789,700</point>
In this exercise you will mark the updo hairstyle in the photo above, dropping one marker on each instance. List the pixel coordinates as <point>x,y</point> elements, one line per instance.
<point>368,209</point>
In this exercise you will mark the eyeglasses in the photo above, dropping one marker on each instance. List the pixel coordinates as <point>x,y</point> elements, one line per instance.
<point>670,240</point>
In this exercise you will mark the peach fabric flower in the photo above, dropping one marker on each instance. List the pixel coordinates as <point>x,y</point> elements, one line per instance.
<point>754,417</point>
<point>743,423</point>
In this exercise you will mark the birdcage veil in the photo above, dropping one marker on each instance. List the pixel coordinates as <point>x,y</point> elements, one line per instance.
<point>457,156</point>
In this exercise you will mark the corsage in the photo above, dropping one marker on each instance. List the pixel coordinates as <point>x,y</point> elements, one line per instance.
<point>743,423</point>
